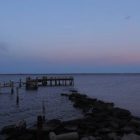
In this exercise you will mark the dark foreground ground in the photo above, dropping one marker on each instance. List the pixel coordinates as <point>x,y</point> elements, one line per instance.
<point>100,121</point>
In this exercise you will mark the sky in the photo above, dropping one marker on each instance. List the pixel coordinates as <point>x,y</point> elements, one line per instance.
<point>69,36</point>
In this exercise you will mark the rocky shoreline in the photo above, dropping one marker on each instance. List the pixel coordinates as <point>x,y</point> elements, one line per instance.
<point>101,121</point>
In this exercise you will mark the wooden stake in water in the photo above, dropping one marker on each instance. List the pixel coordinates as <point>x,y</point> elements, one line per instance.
<point>0,87</point>
<point>12,87</point>
<point>17,99</point>
<point>20,81</point>
<point>43,110</point>
<point>39,128</point>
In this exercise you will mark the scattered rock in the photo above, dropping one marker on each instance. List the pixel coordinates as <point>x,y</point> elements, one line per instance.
<point>91,138</point>
<point>135,122</point>
<point>88,138</point>
<point>8,129</point>
<point>105,130</point>
<point>131,136</point>
<point>84,138</point>
<point>3,137</point>
<point>65,136</point>
<point>127,129</point>
<point>26,137</point>
<point>114,136</point>
<point>121,113</point>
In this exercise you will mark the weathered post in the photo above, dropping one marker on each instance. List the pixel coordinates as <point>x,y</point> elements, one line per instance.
<point>59,82</point>
<point>65,82</point>
<point>27,83</point>
<point>36,83</point>
<point>62,82</point>
<point>55,81</point>
<point>0,87</point>
<point>72,82</point>
<point>12,87</point>
<point>4,84</point>
<point>44,81</point>
<point>51,82</point>
<point>43,111</point>
<point>39,127</point>
<point>17,99</point>
<point>20,81</point>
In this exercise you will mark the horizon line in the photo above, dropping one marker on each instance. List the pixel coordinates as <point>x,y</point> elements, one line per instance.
<point>73,73</point>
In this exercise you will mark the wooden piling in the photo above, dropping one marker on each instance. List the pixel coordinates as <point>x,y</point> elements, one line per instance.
<point>17,98</point>
<point>39,128</point>
<point>43,111</point>
<point>20,83</point>
<point>12,87</point>
<point>51,82</point>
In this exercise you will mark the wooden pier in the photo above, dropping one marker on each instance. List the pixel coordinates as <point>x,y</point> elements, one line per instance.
<point>33,84</point>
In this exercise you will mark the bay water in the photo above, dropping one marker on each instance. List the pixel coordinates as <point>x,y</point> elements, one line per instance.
<point>121,89</point>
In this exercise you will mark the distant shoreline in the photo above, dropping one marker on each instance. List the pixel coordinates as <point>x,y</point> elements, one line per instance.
<point>69,73</point>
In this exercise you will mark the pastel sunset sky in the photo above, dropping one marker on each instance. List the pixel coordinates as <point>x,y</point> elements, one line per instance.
<point>69,36</point>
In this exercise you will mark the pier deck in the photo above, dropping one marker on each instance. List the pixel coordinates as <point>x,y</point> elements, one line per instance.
<point>49,81</point>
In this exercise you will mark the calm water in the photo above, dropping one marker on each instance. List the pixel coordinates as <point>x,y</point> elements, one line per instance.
<point>123,90</point>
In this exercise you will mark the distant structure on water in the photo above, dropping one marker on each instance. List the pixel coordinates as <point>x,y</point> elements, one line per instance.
<point>33,84</point>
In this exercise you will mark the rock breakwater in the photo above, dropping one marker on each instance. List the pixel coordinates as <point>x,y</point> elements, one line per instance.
<point>103,120</point>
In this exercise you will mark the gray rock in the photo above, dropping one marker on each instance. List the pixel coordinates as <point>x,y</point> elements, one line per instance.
<point>52,125</point>
<point>137,131</point>
<point>121,113</point>
<point>8,129</point>
<point>127,129</point>
<point>105,130</point>
<point>113,136</point>
<point>71,128</point>
<point>52,136</point>
<point>68,136</point>
<point>131,136</point>
<point>135,123</point>
<point>26,137</point>
<point>65,136</point>
<point>84,138</point>
<point>91,138</point>
<point>114,124</point>
<point>88,138</point>
<point>98,138</point>
<point>3,137</point>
